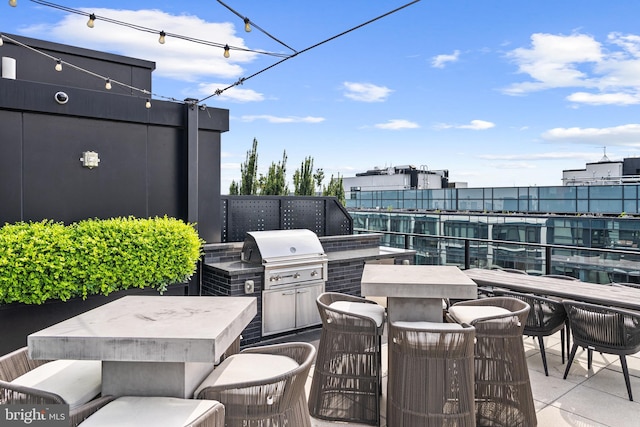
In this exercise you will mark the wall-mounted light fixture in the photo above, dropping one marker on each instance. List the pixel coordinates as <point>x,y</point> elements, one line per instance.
<point>90,159</point>
<point>8,68</point>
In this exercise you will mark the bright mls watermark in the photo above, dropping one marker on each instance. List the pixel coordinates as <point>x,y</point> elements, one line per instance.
<point>34,415</point>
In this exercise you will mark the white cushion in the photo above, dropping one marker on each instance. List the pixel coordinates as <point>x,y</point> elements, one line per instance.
<point>469,313</point>
<point>381,301</point>
<point>372,311</point>
<point>76,381</point>
<point>244,367</point>
<point>427,325</point>
<point>133,411</point>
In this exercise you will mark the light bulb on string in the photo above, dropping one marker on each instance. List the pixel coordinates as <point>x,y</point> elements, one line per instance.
<point>162,36</point>
<point>13,3</point>
<point>247,25</point>
<point>226,51</point>
<point>1,41</point>
<point>58,65</point>
<point>91,21</point>
<point>107,84</point>
<point>148,103</point>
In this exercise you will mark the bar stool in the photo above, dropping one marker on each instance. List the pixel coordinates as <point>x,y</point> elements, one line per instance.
<point>430,380</point>
<point>502,388</point>
<point>347,379</point>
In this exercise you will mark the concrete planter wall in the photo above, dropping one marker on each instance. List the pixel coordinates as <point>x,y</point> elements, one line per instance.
<point>18,320</point>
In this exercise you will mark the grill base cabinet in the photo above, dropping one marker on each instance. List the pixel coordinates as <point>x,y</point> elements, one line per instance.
<point>291,308</point>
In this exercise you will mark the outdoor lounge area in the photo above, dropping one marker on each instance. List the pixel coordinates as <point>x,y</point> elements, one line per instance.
<point>587,397</point>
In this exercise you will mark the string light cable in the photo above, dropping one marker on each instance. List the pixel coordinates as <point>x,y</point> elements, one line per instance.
<point>243,79</point>
<point>248,23</point>
<point>163,34</point>
<point>108,81</point>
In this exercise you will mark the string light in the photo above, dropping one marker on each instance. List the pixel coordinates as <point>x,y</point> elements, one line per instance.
<point>1,41</point>
<point>285,57</point>
<point>162,36</point>
<point>91,21</point>
<point>151,30</point>
<point>248,23</point>
<point>108,81</point>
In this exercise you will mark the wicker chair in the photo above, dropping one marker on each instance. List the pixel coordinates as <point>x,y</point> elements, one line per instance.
<point>604,329</point>
<point>13,390</point>
<point>503,394</point>
<point>546,317</point>
<point>430,381</point>
<point>262,386</point>
<point>347,379</point>
<point>136,411</point>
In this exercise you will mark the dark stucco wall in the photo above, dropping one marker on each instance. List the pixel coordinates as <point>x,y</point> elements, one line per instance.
<point>145,165</point>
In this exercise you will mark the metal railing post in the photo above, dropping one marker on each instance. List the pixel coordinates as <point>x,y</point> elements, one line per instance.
<point>467,254</point>
<point>547,260</point>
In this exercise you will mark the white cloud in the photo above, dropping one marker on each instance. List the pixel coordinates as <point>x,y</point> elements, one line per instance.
<point>610,71</point>
<point>524,157</point>
<point>619,135</point>
<point>397,124</point>
<point>289,119</point>
<point>604,98</point>
<point>552,61</point>
<point>234,94</point>
<point>440,61</point>
<point>230,166</point>
<point>473,125</point>
<point>366,92</point>
<point>176,59</point>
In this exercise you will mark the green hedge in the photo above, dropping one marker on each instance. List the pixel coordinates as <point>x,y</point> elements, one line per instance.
<point>46,260</point>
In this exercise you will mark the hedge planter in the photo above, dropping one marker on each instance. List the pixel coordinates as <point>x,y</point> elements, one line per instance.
<point>50,272</point>
<point>44,261</point>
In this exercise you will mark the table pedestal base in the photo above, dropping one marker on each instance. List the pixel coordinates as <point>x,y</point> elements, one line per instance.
<point>414,309</point>
<point>170,379</point>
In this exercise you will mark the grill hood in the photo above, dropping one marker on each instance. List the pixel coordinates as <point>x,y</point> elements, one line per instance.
<point>264,246</point>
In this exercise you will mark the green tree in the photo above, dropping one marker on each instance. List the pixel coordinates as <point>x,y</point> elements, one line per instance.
<point>234,190</point>
<point>319,177</point>
<point>303,178</point>
<point>274,183</point>
<point>335,188</point>
<point>248,173</point>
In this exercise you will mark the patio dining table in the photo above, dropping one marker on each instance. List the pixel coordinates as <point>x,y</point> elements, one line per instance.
<point>614,296</point>
<point>415,292</point>
<point>149,345</point>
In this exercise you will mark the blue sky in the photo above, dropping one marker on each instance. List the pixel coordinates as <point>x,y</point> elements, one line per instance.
<point>499,92</point>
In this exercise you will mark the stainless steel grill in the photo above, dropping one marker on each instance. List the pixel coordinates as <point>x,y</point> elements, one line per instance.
<point>295,272</point>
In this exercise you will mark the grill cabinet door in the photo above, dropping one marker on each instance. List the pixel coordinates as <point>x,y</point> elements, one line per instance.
<point>278,311</point>
<point>306,309</point>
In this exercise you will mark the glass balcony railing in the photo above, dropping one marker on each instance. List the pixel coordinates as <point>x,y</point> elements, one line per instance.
<point>595,265</point>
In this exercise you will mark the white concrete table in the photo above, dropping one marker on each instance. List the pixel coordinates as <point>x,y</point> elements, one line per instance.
<point>149,345</point>
<point>415,292</point>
